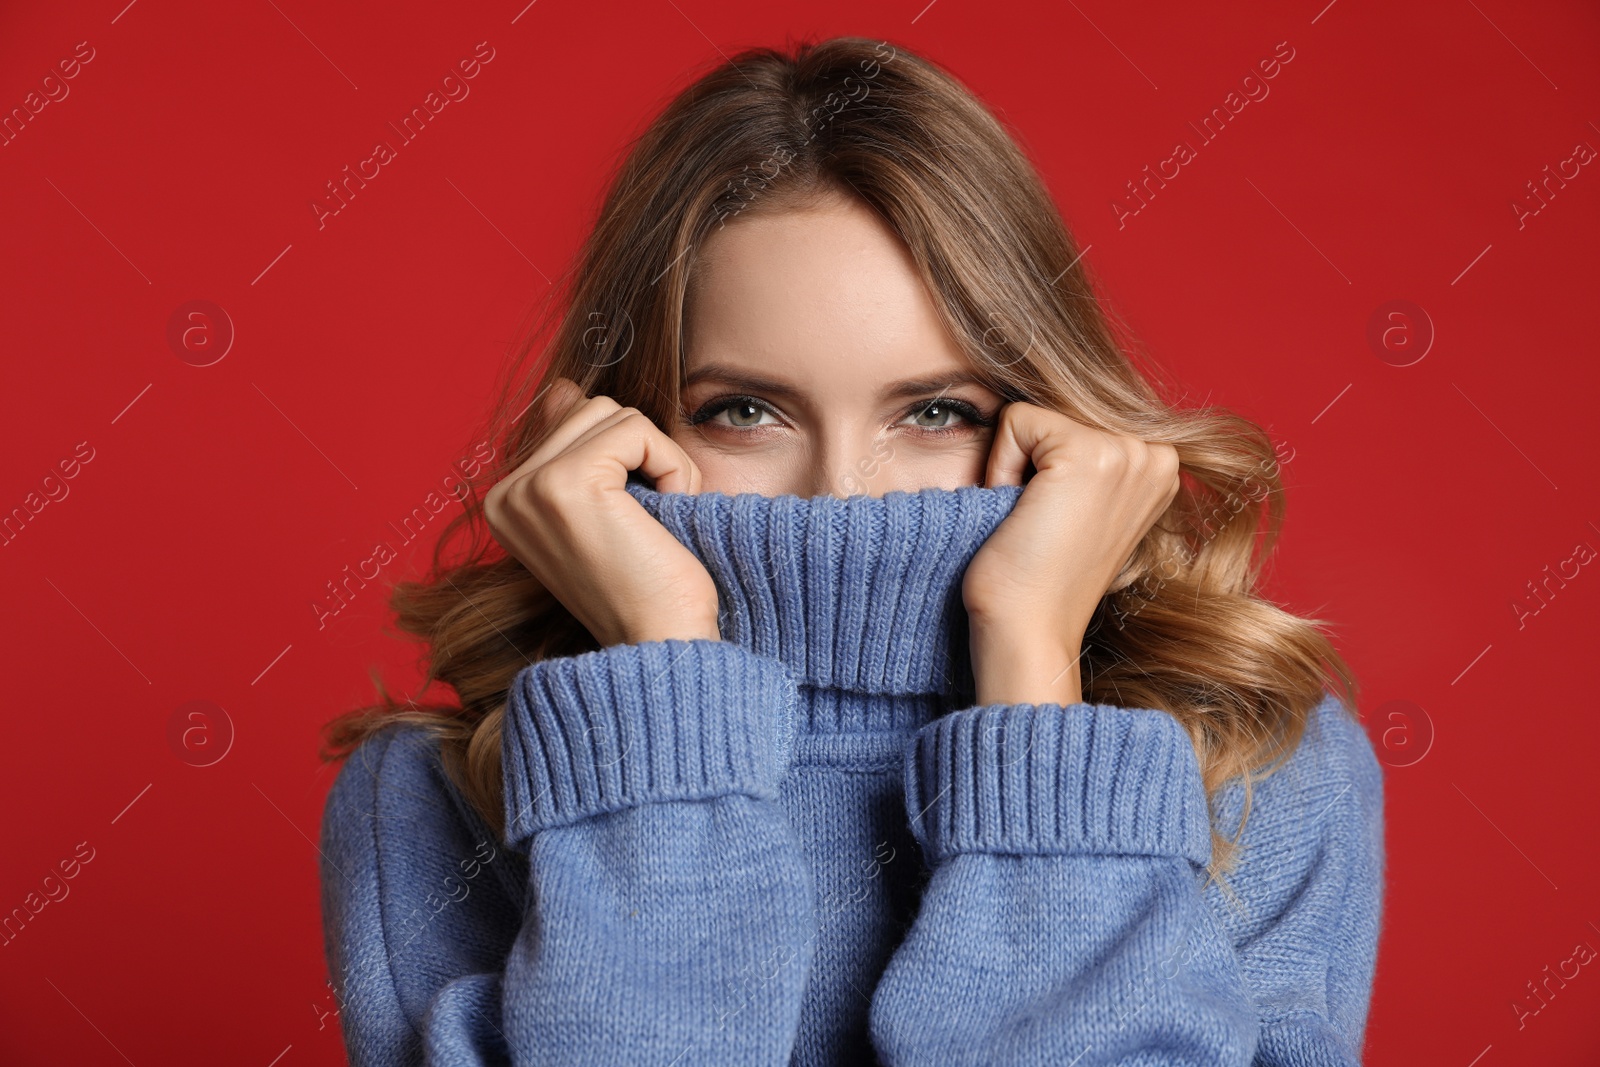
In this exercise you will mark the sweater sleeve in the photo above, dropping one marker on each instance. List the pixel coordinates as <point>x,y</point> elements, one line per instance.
<point>668,910</point>
<point>1064,920</point>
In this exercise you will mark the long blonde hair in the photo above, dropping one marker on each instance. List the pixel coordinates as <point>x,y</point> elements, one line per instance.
<point>767,131</point>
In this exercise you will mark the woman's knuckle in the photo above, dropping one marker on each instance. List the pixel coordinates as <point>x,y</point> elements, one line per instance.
<point>540,483</point>
<point>1109,457</point>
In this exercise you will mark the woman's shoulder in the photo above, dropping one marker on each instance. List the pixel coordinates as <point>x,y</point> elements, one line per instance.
<point>1334,760</point>
<point>394,771</point>
<point>393,786</point>
<point>1317,815</point>
<point>416,887</point>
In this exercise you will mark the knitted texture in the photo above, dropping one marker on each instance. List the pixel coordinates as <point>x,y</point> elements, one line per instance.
<point>805,844</point>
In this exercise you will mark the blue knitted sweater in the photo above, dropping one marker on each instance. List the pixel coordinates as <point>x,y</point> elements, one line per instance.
<point>805,844</point>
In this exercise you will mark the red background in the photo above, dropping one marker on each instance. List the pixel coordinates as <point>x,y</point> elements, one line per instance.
<point>183,564</point>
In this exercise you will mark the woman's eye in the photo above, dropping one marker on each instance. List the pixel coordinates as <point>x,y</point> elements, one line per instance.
<point>934,417</point>
<point>935,414</point>
<point>743,412</point>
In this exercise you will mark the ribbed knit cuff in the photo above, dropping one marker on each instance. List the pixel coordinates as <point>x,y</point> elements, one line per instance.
<point>1090,779</point>
<point>640,723</point>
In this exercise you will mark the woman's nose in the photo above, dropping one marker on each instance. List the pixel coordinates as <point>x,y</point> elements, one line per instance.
<point>822,481</point>
<point>850,469</point>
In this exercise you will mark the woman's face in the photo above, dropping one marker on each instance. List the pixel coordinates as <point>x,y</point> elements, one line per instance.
<point>816,365</point>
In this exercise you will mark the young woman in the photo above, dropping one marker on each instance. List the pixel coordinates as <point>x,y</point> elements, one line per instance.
<point>856,660</point>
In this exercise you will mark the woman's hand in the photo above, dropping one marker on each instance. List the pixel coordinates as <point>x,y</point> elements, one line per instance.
<point>565,514</point>
<point>1033,587</point>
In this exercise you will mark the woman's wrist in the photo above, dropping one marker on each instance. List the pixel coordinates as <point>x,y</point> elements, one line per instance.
<point>1011,669</point>
<point>664,631</point>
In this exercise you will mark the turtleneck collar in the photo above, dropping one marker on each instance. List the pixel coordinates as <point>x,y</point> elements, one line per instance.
<point>858,593</point>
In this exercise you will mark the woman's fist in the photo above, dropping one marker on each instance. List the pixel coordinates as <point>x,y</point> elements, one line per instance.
<point>566,515</point>
<point>1032,589</point>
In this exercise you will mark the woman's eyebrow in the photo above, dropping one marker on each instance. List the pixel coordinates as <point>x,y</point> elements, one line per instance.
<point>756,383</point>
